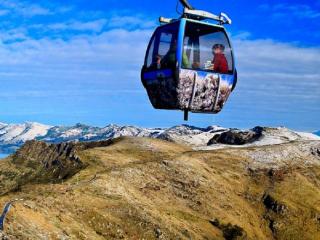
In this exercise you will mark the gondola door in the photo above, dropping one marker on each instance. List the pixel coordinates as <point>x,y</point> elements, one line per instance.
<point>206,87</point>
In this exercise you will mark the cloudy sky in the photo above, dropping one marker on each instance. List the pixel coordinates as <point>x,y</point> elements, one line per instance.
<point>64,62</point>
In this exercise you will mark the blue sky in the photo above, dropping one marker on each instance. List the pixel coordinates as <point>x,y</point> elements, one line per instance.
<point>63,62</point>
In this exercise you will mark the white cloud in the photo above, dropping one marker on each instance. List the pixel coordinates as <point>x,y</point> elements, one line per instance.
<point>111,51</point>
<point>4,12</point>
<point>277,77</point>
<point>33,10</point>
<point>94,26</point>
<point>97,24</point>
<point>301,11</point>
<point>268,56</point>
<point>243,35</point>
<point>132,21</point>
<point>82,56</point>
<point>28,9</point>
<point>17,34</point>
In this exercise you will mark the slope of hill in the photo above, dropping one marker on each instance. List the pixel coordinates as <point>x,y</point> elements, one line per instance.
<point>143,188</point>
<point>13,136</point>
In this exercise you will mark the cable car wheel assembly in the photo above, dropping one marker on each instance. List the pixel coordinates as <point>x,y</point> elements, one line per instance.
<point>189,63</point>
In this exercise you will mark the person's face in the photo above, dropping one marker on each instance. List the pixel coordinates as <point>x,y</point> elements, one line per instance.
<point>217,51</point>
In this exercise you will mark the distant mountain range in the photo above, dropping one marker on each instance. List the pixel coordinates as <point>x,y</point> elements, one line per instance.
<point>12,136</point>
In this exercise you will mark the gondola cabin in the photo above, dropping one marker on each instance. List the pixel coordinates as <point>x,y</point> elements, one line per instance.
<point>189,66</point>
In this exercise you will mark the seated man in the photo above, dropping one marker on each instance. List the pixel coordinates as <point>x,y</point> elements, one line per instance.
<point>220,63</point>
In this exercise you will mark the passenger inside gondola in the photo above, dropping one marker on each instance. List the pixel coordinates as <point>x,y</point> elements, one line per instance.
<point>219,62</point>
<point>169,60</point>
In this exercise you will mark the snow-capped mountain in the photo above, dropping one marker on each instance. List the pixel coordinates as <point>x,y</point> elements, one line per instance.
<point>81,132</point>
<point>12,136</point>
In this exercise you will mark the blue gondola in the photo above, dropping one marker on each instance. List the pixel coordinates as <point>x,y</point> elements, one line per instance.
<point>189,63</point>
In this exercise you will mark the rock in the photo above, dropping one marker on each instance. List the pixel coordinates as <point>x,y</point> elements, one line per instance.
<point>158,232</point>
<point>3,236</point>
<point>215,222</point>
<point>54,161</point>
<point>271,204</point>
<point>165,162</point>
<point>278,174</point>
<point>230,231</point>
<point>237,137</point>
<point>186,233</point>
<point>315,151</point>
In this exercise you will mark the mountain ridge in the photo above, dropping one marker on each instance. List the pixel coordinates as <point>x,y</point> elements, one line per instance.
<point>13,136</point>
<point>144,188</point>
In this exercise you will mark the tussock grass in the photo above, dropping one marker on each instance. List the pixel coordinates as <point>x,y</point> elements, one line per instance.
<point>137,188</point>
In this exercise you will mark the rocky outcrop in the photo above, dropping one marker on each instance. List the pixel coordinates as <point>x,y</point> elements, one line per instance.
<point>49,161</point>
<point>237,137</point>
<point>315,151</point>
<point>271,204</point>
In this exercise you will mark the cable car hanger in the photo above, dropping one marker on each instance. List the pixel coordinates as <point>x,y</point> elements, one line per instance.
<point>191,13</point>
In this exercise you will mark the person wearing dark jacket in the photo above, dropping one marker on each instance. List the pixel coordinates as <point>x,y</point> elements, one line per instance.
<point>220,63</point>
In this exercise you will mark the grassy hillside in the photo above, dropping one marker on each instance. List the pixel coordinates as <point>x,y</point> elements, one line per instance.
<point>137,188</point>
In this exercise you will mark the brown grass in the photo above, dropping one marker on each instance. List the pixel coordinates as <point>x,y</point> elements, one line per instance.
<point>149,189</point>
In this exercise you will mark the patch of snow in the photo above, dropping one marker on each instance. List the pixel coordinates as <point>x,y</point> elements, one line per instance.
<point>71,133</point>
<point>3,124</point>
<point>308,136</point>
